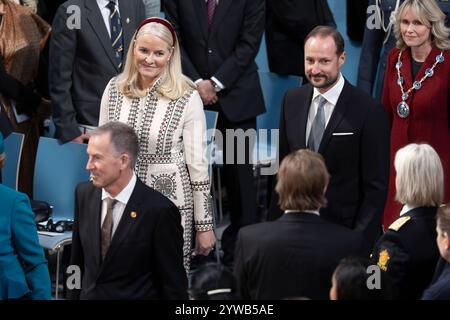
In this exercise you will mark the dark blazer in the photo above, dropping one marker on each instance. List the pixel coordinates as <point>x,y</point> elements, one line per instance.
<point>358,163</point>
<point>82,62</point>
<point>356,19</point>
<point>440,289</point>
<point>226,51</point>
<point>412,252</point>
<point>294,256</point>
<point>145,258</point>
<point>287,25</point>
<point>23,267</point>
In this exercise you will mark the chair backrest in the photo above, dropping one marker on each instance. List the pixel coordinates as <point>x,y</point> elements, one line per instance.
<point>13,151</point>
<point>58,170</point>
<point>211,123</point>
<point>274,86</point>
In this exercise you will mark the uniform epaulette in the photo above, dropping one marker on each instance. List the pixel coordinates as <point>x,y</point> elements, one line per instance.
<point>397,224</point>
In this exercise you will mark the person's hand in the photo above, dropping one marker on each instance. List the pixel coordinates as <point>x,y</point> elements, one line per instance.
<point>207,92</point>
<point>83,138</point>
<point>204,242</point>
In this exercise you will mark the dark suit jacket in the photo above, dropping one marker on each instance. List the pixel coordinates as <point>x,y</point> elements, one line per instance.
<point>227,51</point>
<point>145,258</point>
<point>82,62</point>
<point>358,163</point>
<point>440,290</point>
<point>287,25</point>
<point>294,256</point>
<point>412,251</point>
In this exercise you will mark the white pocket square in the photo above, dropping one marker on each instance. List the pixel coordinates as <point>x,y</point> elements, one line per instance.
<point>342,133</point>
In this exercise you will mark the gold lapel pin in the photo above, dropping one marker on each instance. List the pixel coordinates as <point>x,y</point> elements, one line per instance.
<point>128,20</point>
<point>133,214</point>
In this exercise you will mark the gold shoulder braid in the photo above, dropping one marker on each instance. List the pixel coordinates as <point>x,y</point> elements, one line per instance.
<point>397,224</point>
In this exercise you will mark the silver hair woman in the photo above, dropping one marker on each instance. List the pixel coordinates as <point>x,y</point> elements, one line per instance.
<point>420,177</point>
<point>408,250</point>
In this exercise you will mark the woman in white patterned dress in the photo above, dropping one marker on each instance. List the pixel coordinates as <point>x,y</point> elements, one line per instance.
<point>162,105</point>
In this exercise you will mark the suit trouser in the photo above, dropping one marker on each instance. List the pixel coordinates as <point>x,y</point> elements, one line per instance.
<point>239,183</point>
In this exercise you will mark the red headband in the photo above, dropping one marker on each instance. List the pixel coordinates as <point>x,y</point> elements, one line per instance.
<point>160,21</point>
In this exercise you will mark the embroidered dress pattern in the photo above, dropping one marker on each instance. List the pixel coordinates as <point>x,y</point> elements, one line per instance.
<point>161,164</point>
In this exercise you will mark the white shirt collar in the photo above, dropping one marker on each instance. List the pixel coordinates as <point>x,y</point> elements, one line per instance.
<point>406,208</point>
<point>104,3</point>
<point>316,212</point>
<point>332,95</point>
<point>126,192</point>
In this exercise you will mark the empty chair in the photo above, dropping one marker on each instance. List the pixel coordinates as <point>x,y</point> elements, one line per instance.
<point>58,170</point>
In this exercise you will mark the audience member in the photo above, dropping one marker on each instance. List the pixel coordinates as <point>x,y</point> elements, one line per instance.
<point>165,110</point>
<point>132,248</point>
<point>152,8</point>
<point>378,41</point>
<point>415,88</point>
<point>347,127</point>
<point>440,289</point>
<point>219,47</point>
<point>352,280</point>
<point>213,281</point>
<point>23,35</point>
<point>408,251</point>
<point>23,267</point>
<point>295,255</point>
<point>287,25</point>
<point>85,56</point>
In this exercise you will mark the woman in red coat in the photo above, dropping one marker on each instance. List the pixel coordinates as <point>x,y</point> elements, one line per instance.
<point>416,91</point>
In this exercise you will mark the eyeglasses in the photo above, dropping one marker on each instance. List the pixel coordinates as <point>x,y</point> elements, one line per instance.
<point>60,226</point>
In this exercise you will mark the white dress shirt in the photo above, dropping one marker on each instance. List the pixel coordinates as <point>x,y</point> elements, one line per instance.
<point>332,96</point>
<point>122,200</point>
<point>406,208</point>
<point>102,5</point>
<point>316,212</point>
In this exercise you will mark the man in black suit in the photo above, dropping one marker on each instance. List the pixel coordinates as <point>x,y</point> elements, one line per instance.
<point>287,25</point>
<point>296,255</point>
<point>83,59</point>
<point>127,238</point>
<point>220,40</point>
<point>350,131</point>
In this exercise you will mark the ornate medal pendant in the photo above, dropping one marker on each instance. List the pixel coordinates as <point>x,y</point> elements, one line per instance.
<point>403,110</point>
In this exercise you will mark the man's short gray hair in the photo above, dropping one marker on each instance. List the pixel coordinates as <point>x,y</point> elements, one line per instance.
<point>123,138</point>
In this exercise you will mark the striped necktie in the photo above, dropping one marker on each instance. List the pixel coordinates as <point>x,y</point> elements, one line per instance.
<point>116,33</point>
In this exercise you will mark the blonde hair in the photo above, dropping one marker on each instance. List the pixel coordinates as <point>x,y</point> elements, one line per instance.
<point>420,176</point>
<point>302,180</point>
<point>172,84</point>
<point>431,16</point>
